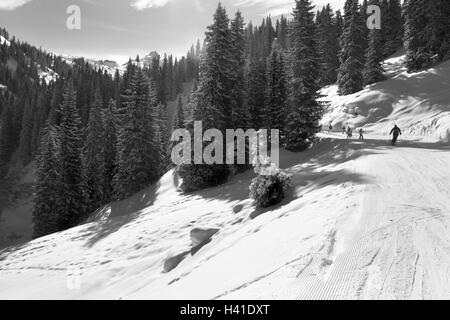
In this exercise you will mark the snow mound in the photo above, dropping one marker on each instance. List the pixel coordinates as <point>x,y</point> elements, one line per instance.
<point>418,102</point>
<point>3,40</point>
<point>48,75</point>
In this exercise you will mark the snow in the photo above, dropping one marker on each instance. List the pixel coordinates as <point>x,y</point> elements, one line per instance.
<point>48,75</point>
<point>105,65</point>
<point>419,103</point>
<point>3,40</point>
<point>364,221</point>
<point>359,225</point>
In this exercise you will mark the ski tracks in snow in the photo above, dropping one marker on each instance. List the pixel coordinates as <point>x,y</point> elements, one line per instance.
<point>400,248</point>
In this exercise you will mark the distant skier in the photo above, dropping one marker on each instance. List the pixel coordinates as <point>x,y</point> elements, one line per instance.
<point>395,132</point>
<point>349,133</point>
<point>361,134</point>
<point>330,128</point>
<point>344,130</point>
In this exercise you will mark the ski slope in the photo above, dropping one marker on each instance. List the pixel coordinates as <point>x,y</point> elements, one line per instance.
<point>418,102</point>
<point>366,221</point>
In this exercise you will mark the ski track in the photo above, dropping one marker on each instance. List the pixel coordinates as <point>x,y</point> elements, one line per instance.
<point>401,248</point>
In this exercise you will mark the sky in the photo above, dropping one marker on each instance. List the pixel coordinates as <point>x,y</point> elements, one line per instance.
<point>119,29</point>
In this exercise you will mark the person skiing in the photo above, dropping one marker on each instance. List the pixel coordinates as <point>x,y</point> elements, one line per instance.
<point>344,130</point>
<point>361,134</point>
<point>330,127</point>
<point>395,132</point>
<point>349,133</point>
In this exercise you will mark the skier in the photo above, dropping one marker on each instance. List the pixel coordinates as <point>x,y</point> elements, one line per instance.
<point>349,133</point>
<point>396,132</point>
<point>330,127</point>
<point>361,134</point>
<point>344,130</point>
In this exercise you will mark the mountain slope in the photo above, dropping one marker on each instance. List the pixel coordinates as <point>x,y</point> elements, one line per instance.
<point>365,220</point>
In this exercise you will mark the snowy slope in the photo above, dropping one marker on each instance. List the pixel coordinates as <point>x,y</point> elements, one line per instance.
<point>121,254</point>
<point>357,226</point>
<point>419,103</point>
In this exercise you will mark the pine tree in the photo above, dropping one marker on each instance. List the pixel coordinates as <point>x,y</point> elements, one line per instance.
<point>212,99</point>
<point>93,156</point>
<point>137,162</point>
<point>164,137</point>
<point>328,47</point>
<point>178,120</point>
<point>25,147</point>
<point>239,114</point>
<point>6,138</point>
<point>305,111</point>
<point>373,70</point>
<point>256,85</point>
<point>46,218</point>
<point>111,127</point>
<point>70,197</point>
<point>350,78</point>
<point>282,32</point>
<point>276,91</point>
<point>392,27</point>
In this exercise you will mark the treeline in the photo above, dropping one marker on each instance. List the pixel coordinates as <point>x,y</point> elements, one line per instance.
<point>119,149</point>
<point>96,137</point>
<point>427,33</point>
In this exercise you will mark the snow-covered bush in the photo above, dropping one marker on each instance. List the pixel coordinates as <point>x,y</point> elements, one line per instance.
<point>270,186</point>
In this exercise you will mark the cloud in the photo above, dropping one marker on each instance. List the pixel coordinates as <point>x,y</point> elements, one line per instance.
<point>146,4</point>
<point>12,4</point>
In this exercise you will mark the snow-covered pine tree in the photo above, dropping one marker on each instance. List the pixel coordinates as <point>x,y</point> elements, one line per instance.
<point>111,126</point>
<point>45,212</point>
<point>305,111</point>
<point>351,56</point>
<point>70,196</point>
<point>373,70</point>
<point>328,46</point>
<point>276,91</point>
<point>93,156</point>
